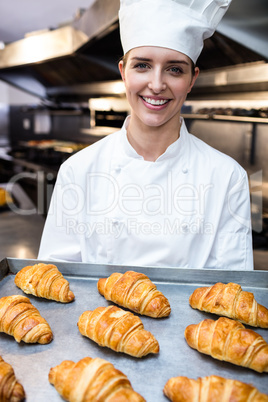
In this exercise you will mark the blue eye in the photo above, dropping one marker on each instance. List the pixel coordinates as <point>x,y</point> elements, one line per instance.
<point>141,65</point>
<point>176,70</point>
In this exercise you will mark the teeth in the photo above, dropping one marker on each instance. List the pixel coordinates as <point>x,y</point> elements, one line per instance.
<point>155,102</point>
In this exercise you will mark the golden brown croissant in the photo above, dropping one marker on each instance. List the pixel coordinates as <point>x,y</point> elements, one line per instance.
<point>92,380</point>
<point>229,340</point>
<point>119,330</point>
<point>212,388</point>
<point>230,301</point>
<point>136,292</point>
<point>44,280</point>
<point>10,389</point>
<point>19,318</point>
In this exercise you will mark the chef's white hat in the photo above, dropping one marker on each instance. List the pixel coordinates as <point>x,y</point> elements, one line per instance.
<point>180,25</point>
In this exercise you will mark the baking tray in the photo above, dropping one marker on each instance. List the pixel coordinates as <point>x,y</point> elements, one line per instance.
<point>149,374</point>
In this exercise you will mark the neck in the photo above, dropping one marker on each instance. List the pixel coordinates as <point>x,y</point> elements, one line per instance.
<point>152,142</point>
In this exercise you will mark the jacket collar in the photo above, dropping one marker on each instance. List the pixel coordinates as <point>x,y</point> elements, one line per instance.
<point>174,150</point>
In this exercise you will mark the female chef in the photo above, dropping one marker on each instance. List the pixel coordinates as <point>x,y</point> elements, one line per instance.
<point>152,194</point>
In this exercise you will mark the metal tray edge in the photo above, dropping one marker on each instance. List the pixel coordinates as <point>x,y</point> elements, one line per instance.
<point>161,274</point>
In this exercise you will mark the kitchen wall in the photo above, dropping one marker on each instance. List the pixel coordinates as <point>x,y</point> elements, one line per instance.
<point>10,95</point>
<point>12,101</point>
<point>4,123</point>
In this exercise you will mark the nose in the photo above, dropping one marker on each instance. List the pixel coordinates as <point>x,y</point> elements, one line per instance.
<point>157,83</point>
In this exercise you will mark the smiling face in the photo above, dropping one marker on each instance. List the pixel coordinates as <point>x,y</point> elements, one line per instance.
<point>157,82</point>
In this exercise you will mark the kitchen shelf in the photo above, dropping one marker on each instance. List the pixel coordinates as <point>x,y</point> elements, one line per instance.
<point>99,130</point>
<point>242,119</point>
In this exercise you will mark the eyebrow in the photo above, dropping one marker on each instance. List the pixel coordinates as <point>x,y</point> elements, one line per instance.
<point>169,61</point>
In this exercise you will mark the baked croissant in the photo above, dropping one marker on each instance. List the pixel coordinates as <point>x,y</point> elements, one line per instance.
<point>229,340</point>
<point>212,388</point>
<point>230,301</point>
<point>19,318</point>
<point>44,280</point>
<point>10,389</point>
<point>92,380</point>
<point>136,292</point>
<point>119,330</point>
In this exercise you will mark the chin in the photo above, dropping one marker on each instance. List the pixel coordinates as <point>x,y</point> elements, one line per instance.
<point>152,120</point>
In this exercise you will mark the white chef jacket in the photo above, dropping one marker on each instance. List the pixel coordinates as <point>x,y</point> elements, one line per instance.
<point>190,208</point>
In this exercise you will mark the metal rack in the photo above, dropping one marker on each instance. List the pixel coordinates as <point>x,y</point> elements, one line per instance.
<point>241,119</point>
